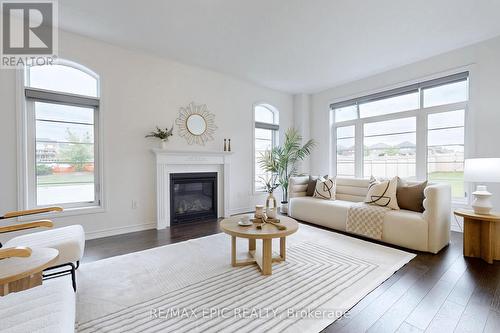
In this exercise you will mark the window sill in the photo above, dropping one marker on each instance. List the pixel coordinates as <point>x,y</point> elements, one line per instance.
<point>65,213</point>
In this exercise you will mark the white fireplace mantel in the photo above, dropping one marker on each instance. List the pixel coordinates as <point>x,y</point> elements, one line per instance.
<point>171,161</point>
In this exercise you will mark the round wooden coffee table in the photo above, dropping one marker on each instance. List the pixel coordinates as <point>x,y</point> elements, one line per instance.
<point>267,233</point>
<point>17,274</point>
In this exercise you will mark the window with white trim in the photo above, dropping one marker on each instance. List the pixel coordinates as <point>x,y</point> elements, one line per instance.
<point>266,137</point>
<point>346,143</point>
<point>415,132</point>
<point>61,148</point>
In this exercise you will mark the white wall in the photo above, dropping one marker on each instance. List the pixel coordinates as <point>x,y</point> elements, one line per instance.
<point>140,91</point>
<point>485,98</point>
<point>302,117</point>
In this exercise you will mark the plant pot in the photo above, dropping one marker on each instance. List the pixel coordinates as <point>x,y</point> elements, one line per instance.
<point>284,207</point>
<point>163,144</point>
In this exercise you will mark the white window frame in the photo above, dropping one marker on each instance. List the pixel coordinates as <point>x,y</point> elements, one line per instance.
<point>421,115</point>
<point>275,137</point>
<point>26,159</point>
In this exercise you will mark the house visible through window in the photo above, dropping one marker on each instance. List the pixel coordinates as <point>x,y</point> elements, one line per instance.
<point>266,137</point>
<point>415,132</point>
<point>62,107</point>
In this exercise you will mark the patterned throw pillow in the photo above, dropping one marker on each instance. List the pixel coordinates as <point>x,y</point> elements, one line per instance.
<point>325,189</point>
<point>383,193</point>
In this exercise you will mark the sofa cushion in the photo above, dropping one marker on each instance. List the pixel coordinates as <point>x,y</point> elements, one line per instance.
<point>328,213</point>
<point>383,193</point>
<point>311,186</point>
<point>325,189</point>
<point>411,197</point>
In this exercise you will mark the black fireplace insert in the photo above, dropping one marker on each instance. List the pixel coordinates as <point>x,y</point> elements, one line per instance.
<point>193,197</point>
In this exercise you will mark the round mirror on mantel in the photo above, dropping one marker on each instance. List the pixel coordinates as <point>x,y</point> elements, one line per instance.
<point>196,124</point>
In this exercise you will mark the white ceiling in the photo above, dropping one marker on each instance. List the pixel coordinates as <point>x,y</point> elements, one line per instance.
<point>289,45</point>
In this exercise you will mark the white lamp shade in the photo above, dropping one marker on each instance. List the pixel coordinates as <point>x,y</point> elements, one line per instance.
<point>484,170</point>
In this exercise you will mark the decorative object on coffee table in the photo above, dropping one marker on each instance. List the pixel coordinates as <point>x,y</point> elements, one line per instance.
<point>482,170</point>
<point>282,161</point>
<point>271,206</point>
<point>196,124</point>
<point>270,183</point>
<point>163,135</point>
<point>481,235</point>
<point>266,233</point>
<point>273,221</point>
<point>259,211</point>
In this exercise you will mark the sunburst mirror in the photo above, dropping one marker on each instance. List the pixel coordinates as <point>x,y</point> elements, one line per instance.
<point>196,124</point>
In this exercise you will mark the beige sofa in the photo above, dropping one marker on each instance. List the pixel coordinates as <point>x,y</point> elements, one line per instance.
<point>428,231</point>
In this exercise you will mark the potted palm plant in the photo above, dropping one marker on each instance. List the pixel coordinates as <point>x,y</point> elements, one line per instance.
<point>282,161</point>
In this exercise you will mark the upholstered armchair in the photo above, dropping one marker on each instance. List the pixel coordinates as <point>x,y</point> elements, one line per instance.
<point>69,241</point>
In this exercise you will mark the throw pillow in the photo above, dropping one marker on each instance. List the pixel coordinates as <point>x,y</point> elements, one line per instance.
<point>383,193</point>
<point>311,186</point>
<point>411,197</point>
<point>325,189</point>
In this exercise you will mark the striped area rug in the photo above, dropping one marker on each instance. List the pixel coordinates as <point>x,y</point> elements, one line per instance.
<point>297,297</point>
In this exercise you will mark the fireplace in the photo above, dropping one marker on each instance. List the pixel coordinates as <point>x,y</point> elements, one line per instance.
<point>193,196</point>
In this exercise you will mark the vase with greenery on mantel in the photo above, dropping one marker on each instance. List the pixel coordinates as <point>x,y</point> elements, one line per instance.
<point>161,134</point>
<point>283,160</point>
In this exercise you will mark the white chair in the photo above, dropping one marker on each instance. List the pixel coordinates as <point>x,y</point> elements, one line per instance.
<point>69,241</point>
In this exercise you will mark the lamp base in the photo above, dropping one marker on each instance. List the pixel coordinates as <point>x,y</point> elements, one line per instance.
<point>482,201</point>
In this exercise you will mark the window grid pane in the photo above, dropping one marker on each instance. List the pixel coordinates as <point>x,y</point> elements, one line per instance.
<point>346,113</point>
<point>62,78</point>
<point>389,154</point>
<point>264,140</point>
<point>64,154</point>
<point>445,152</point>
<point>390,105</point>
<point>265,115</point>
<point>446,94</point>
<point>346,146</point>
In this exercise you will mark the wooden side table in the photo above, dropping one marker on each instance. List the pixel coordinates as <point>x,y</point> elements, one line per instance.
<point>481,235</point>
<point>17,274</point>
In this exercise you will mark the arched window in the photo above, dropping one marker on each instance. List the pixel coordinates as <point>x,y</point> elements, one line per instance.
<point>62,136</point>
<point>266,137</point>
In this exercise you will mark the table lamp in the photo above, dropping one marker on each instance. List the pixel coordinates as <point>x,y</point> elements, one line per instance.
<point>482,170</point>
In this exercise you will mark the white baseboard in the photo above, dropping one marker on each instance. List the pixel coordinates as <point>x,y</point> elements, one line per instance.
<point>235,211</point>
<point>119,230</point>
<point>146,226</point>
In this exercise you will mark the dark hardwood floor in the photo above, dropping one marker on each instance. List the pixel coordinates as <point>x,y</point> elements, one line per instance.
<point>433,293</point>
